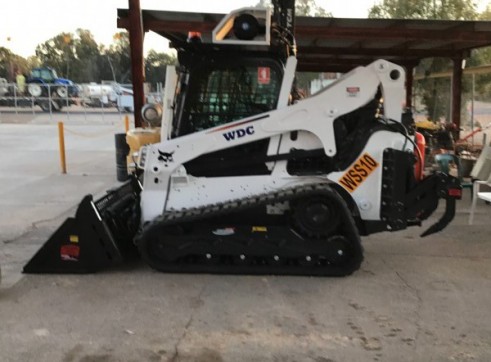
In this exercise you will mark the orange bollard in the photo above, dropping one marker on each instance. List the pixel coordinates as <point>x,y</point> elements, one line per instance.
<point>126,123</point>
<point>61,139</point>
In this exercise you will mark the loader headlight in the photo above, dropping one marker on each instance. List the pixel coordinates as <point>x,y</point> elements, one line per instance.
<point>152,114</point>
<point>246,27</point>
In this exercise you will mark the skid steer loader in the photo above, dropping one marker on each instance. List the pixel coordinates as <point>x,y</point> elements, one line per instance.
<point>248,178</point>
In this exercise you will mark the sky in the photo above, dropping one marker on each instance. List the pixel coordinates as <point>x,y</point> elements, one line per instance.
<point>26,23</point>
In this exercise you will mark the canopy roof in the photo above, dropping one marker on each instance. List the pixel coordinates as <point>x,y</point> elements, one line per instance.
<point>327,44</point>
<point>339,44</point>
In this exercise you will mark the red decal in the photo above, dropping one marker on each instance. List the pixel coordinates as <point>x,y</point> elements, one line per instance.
<point>69,252</point>
<point>353,91</point>
<point>263,75</point>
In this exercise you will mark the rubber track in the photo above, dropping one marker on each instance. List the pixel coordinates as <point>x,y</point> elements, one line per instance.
<point>174,217</point>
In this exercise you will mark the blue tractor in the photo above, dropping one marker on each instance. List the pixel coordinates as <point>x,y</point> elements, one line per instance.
<point>44,83</point>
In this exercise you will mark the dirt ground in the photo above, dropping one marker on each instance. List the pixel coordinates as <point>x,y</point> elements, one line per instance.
<point>413,300</point>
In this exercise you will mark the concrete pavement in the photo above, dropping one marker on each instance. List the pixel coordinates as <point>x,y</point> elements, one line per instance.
<point>413,299</point>
<point>33,192</point>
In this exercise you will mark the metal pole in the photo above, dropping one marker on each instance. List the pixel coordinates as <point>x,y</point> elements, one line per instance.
<point>112,69</point>
<point>472,107</point>
<point>15,97</point>
<point>32,102</point>
<point>101,101</point>
<point>66,103</point>
<point>49,102</point>
<point>61,139</point>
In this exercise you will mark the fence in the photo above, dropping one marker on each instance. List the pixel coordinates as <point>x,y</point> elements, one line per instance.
<point>87,99</point>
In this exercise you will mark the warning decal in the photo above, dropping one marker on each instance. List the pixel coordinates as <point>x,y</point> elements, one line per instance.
<point>259,229</point>
<point>352,91</point>
<point>69,252</point>
<point>263,75</point>
<point>358,173</point>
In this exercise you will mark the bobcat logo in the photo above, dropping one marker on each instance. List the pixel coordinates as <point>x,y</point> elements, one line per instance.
<point>166,156</point>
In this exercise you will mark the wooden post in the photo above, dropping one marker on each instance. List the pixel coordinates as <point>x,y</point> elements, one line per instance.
<point>409,86</point>
<point>61,140</point>
<point>137,66</point>
<point>456,93</point>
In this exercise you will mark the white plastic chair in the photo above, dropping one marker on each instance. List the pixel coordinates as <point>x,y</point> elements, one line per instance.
<point>482,167</point>
<point>481,171</point>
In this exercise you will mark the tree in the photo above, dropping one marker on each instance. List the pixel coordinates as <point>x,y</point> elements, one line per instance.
<point>85,68</point>
<point>73,56</point>
<point>425,9</point>
<point>58,53</point>
<point>435,93</point>
<point>302,8</point>
<point>116,59</point>
<point>11,63</point>
<point>6,58</point>
<point>310,8</point>
<point>77,56</point>
<point>156,64</point>
<point>486,14</point>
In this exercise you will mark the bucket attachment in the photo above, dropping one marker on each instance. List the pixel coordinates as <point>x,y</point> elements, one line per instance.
<point>99,236</point>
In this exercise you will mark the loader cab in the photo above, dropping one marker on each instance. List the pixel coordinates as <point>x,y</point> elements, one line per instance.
<point>218,85</point>
<point>237,74</point>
